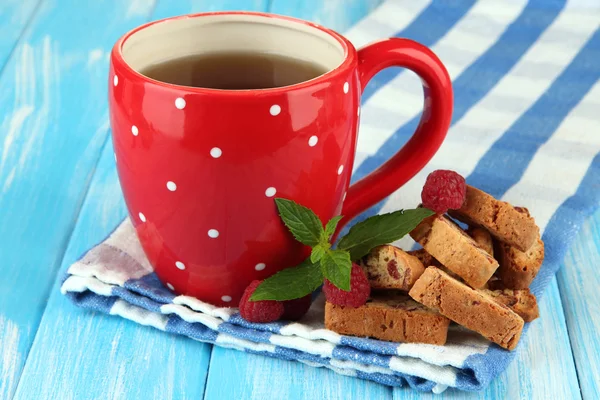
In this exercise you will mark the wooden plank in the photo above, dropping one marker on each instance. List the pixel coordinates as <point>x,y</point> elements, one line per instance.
<point>52,127</point>
<point>113,357</point>
<point>79,354</point>
<point>237,375</point>
<point>335,14</point>
<point>579,281</point>
<point>14,15</point>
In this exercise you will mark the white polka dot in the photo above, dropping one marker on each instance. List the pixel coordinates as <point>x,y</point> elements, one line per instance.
<point>180,103</point>
<point>115,154</point>
<point>346,87</point>
<point>226,299</point>
<point>142,217</point>
<point>216,152</point>
<point>170,286</point>
<point>340,169</point>
<point>270,192</point>
<point>260,266</point>
<point>171,186</point>
<point>134,130</point>
<point>358,112</point>
<point>345,194</point>
<point>275,110</point>
<point>180,265</point>
<point>213,233</point>
<point>115,80</point>
<point>312,142</point>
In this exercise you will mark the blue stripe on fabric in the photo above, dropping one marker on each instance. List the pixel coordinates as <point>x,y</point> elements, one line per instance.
<point>475,82</point>
<point>346,353</point>
<point>430,26</point>
<point>151,287</point>
<point>197,331</point>
<point>513,152</point>
<point>273,327</point>
<point>92,301</point>
<point>367,344</point>
<point>242,332</point>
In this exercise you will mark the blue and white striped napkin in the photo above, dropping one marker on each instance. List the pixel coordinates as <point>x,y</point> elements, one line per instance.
<point>526,129</point>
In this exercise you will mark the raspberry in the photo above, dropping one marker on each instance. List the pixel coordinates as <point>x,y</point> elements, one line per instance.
<point>359,290</point>
<point>295,309</point>
<point>444,190</point>
<point>259,311</point>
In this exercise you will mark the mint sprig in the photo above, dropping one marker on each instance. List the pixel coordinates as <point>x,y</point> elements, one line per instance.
<point>334,265</point>
<point>381,229</point>
<point>301,221</point>
<point>290,283</point>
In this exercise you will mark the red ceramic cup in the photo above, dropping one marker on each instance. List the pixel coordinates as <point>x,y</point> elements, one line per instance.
<point>200,168</point>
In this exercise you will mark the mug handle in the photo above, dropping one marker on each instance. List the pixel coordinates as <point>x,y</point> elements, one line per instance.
<point>429,135</point>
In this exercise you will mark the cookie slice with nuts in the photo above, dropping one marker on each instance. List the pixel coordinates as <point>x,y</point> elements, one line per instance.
<point>468,307</point>
<point>389,316</point>
<point>506,223</point>
<point>455,250</point>
<point>388,267</point>
<point>521,301</point>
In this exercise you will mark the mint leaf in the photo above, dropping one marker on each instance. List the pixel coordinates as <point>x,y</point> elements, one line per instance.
<point>331,225</point>
<point>318,251</point>
<point>381,229</point>
<point>291,283</point>
<point>301,221</point>
<point>336,267</point>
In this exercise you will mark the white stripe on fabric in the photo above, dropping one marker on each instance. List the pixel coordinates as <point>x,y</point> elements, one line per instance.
<point>125,238</point>
<point>192,316</point>
<point>223,313</point>
<point>307,330</point>
<point>321,348</point>
<point>226,340</point>
<point>461,344</point>
<point>439,388</point>
<point>387,19</point>
<point>343,371</point>
<point>109,264</point>
<point>413,366</point>
<point>560,164</point>
<point>78,284</point>
<point>402,97</point>
<point>139,315</point>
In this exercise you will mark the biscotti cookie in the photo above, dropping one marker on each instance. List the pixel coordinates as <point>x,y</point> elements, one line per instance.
<point>426,259</point>
<point>483,238</point>
<point>522,301</point>
<point>456,250</point>
<point>517,268</point>
<point>388,267</point>
<point>468,307</point>
<point>503,221</point>
<point>391,316</point>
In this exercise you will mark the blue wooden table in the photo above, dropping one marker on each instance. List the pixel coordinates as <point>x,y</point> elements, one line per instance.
<point>60,195</point>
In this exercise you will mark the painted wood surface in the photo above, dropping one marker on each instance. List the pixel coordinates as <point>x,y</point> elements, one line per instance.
<point>61,195</point>
<point>14,16</point>
<point>54,123</point>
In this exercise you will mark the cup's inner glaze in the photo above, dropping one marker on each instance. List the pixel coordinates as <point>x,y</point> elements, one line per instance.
<point>181,37</point>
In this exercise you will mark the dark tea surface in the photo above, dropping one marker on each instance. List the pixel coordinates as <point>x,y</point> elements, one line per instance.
<point>234,71</point>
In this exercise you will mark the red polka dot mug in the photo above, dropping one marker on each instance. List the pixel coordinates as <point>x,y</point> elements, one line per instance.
<point>200,168</point>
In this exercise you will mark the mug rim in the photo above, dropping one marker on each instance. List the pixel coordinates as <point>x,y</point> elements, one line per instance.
<point>349,50</point>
